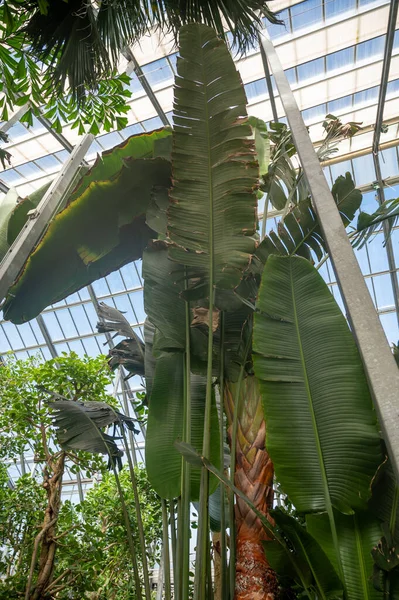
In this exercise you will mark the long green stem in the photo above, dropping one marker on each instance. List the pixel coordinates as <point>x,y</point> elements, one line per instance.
<point>232,570</point>
<point>264,217</point>
<point>173,539</point>
<point>140,527</point>
<point>186,468</point>
<point>128,531</point>
<point>166,557</point>
<point>179,552</point>
<point>223,548</point>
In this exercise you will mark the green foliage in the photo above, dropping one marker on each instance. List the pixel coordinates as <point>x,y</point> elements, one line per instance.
<point>369,224</point>
<point>92,554</point>
<point>25,414</point>
<point>91,236</point>
<point>21,511</point>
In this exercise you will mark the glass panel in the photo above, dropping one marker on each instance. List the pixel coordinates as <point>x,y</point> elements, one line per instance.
<point>66,323</point>
<point>115,282</point>
<point>378,254</point>
<point>154,123</point>
<point>256,89</point>
<point>383,291</point>
<point>26,334</point>
<point>158,71</point>
<point>338,6</point>
<point>138,303</point>
<point>4,345</point>
<point>276,31</point>
<point>389,163</point>
<point>53,326</point>
<point>393,87</point>
<point>340,104</point>
<point>369,202</point>
<point>49,164</point>
<point>173,60</point>
<point>80,320</point>
<point>130,277</point>
<point>77,346</point>
<point>109,140</point>
<point>100,287</point>
<point>341,59</point>
<point>91,346</point>
<point>316,113</point>
<point>306,14</point>
<point>13,336</point>
<point>389,322</point>
<point>29,170</point>
<point>362,259</point>
<point>311,69</point>
<point>370,49</point>
<point>363,168</point>
<point>367,96</point>
<point>340,169</point>
<point>132,130</point>
<point>135,85</point>
<point>396,39</point>
<point>291,75</point>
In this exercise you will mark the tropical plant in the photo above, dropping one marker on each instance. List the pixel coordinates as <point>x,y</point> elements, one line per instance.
<point>62,57</point>
<point>227,324</point>
<point>92,559</point>
<point>26,424</point>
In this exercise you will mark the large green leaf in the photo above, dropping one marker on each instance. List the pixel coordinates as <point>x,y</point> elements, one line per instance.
<point>299,232</point>
<point>212,214</point>
<point>317,572</point>
<point>7,205</point>
<point>357,535</point>
<point>94,235</point>
<point>165,427</point>
<point>162,302</point>
<point>144,145</point>
<point>321,426</point>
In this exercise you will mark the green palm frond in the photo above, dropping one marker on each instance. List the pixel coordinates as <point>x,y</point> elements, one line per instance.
<point>82,43</point>
<point>368,224</point>
<point>299,232</point>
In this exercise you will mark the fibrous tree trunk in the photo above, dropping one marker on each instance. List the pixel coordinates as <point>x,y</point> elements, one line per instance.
<point>255,580</point>
<point>46,537</point>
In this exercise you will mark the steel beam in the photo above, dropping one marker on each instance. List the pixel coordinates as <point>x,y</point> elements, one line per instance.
<point>269,83</point>
<point>133,66</point>
<point>38,220</point>
<point>393,13</point>
<point>380,367</point>
<point>47,338</point>
<point>14,118</point>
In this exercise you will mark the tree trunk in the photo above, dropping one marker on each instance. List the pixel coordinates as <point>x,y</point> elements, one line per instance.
<point>48,545</point>
<point>255,580</point>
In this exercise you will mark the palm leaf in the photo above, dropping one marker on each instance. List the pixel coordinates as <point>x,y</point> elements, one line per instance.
<point>165,427</point>
<point>83,43</point>
<point>299,232</point>
<point>322,434</point>
<point>212,215</point>
<point>97,233</point>
<point>368,224</point>
<point>317,572</point>
<point>357,535</point>
<point>79,425</point>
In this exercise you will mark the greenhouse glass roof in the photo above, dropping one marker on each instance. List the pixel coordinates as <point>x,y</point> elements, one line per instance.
<point>333,55</point>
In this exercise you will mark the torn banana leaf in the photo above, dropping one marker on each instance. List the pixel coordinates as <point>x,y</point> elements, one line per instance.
<point>97,233</point>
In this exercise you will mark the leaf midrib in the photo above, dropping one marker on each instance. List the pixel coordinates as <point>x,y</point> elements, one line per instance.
<point>326,490</point>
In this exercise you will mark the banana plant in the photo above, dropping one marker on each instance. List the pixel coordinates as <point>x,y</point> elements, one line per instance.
<point>218,328</point>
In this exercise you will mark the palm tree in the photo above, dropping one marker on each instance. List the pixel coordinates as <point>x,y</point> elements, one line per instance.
<point>82,40</point>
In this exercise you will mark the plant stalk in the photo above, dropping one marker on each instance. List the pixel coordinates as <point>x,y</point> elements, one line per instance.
<point>140,527</point>
<point>186,468</point>
<point>166,557</point>
<point>223,547</point>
